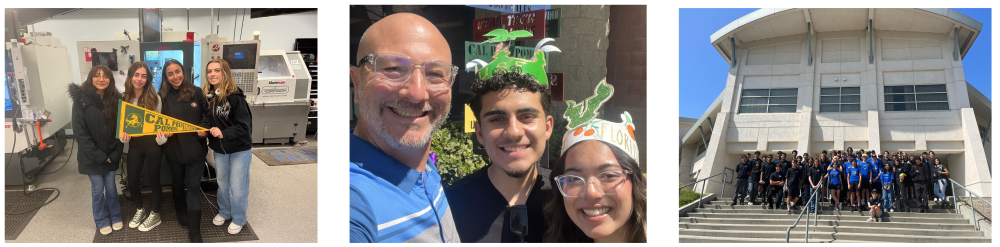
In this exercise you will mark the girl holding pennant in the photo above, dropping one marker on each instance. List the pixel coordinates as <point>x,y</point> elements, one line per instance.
<point>230,140</point>
<point>185,152</point>
<point>94,114</point>
<point>143,150</point>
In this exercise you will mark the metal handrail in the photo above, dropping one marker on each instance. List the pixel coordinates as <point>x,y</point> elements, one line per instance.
<point>704,180</point>
<point>972,203</point>
<point>806,207</point>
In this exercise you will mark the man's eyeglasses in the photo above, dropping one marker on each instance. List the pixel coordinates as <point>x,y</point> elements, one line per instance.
<point>606,182</point>
<point>397,69</point>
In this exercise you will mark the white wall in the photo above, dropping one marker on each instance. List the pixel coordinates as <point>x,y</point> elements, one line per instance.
<point>277,32</point>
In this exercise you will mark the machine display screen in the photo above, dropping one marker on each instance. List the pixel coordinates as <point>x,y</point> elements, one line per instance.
<point>8,105</point>
<point>156,59</point>
<point>274,66</point>
<point>107,59</point>
<point>6,96</point>
<point>240,56</point>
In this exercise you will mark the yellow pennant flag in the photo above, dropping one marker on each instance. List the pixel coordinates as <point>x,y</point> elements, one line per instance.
<point>138,121</point>
<point>470,119</point>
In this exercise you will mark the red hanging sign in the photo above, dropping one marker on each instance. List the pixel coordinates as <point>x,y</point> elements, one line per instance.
<point>532,21</point>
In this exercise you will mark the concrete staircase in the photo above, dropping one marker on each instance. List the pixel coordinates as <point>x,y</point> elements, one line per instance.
<point>717,222</point>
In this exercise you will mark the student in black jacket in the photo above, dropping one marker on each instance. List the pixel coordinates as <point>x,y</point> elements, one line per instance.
<point>230,140</point>
<point>754,184</point>
<point>777,181</point>
<point>742,174</point>
<point>766,168</point>
<point>793,177</point>
<point>756,162</point>
<point>95,110</point>
<point>901,172</point>
<point>785,165</point>
<point>185,152</point>
<point>921,180</point>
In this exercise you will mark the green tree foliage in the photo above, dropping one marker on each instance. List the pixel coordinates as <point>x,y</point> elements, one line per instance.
<point>454,150</point>
<point>555,141</point>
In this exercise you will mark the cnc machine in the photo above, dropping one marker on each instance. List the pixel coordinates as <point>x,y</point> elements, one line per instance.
<point>37,106</point>
<point>276,85</point>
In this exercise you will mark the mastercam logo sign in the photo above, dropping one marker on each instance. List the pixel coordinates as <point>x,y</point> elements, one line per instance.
<point>276,82</point>
<point>276,90</point>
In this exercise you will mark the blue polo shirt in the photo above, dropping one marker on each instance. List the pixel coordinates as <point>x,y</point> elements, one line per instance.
<point>863,168</point>
<point>392,203</point>
<point>852,173</point>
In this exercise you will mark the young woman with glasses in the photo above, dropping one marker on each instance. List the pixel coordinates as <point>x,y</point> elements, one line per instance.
<point>601,196</point>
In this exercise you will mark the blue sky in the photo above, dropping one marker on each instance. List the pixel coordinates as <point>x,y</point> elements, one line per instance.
<point>703,71</point>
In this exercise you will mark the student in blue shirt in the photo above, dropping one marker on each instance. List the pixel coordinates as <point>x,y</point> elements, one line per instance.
<point>886,179</point>
<point>875,164</point>
<point>835,184</point>
<point>853,183</point>
<point>865,171</point>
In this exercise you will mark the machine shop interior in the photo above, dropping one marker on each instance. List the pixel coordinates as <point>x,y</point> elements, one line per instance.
<point>273,58</point>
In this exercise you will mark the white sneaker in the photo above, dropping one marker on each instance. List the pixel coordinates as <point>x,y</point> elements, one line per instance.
<point>218,220</point>
<point>234,229</point>
<point>106,230</point>
<point>117,226</point>
<point>892,210</point>
<point>871,219</point>
<point>750,203</point>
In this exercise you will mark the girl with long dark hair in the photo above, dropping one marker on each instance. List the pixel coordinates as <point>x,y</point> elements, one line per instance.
<point>95,110</point>
<point>185,152</point>
<point>144,151</point>
<point>613,210</point>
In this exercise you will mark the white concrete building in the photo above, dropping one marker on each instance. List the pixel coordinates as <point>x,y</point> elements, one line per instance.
<point>683,126</point>
<point>828,79</point>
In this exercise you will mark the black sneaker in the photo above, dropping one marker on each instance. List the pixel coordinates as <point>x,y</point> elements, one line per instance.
<point>734,204</point>
<point>854,208</point>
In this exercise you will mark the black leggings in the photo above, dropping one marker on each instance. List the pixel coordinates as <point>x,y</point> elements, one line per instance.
<point>144,150</point>
<point>186,185</point>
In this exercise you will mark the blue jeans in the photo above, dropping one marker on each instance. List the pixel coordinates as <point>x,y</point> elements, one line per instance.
<point>939,187</point>
<point>809,192</point>
<point>234,185</point>
<point>750,183</point>
<point>104,198</point>
<point>887,198</point>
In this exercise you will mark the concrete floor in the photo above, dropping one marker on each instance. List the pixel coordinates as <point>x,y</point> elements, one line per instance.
<point>282,205</point>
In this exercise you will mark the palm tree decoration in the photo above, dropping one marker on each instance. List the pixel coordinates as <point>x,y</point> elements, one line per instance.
<point>501,35</point>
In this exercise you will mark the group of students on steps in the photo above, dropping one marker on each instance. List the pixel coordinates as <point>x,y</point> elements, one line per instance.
<point>867,180</point>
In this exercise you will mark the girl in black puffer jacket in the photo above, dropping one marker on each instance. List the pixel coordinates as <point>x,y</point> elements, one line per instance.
<point>95,108</point>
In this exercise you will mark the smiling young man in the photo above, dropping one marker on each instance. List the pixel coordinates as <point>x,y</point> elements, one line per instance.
<point>503,202</point>
<point>396,193</point>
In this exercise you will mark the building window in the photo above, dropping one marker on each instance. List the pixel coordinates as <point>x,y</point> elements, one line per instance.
<point>984,133</point>
<point>840,99</point>
<point>779,100</point>
<point>916,98</point>
<point>701,149</point>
